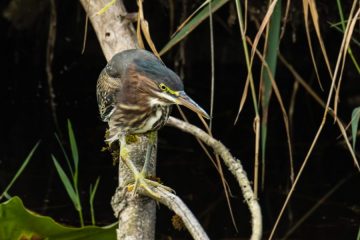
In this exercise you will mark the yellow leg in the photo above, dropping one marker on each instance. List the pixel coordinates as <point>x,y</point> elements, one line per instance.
<point>140,177</point>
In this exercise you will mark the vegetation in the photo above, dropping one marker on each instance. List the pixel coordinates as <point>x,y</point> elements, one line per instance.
<point>281,78</point>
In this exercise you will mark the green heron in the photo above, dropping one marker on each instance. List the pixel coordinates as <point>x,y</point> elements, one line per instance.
<point>135,92</point>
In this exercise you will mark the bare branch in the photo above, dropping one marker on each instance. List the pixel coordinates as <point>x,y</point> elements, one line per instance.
<point>49,61</point>
<point>234,167</point>
<point>170,200</point>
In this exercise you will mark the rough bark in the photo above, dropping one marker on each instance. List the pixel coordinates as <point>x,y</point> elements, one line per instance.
<point>136,214</point>
<point>182,211</point>
<point>114,32</point>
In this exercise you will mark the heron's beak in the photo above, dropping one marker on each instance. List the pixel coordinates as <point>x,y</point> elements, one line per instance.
<point>185,100</point>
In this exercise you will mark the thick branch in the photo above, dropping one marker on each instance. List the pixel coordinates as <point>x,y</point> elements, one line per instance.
<point>137,216</point>
<point>174,203</point>
<point>235,168</point>
<point>114,33</point>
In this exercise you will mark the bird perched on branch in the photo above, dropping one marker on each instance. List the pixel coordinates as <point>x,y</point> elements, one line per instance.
<point>135,92</point>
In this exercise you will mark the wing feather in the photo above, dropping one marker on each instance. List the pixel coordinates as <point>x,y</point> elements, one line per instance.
<point>106,90</point>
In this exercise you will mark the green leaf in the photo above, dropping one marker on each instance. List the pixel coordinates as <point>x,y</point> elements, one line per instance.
<point>66,181</point>
<point>16,222</point>
<point>343,22</point>
<point>73,145</point>
<point>91,200</point>
<point>93,190</point>
<point>65,155</point>
<point>193,23</point>
<point>21,169</point>
<point>271,59</point>
<point>355,117</point>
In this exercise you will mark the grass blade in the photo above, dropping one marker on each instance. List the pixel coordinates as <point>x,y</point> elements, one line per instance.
<point>73,146</point>
<point>212,53</point>
<point>344,45</point>
<point>193,23</point>
<point>65,155</point>
<point>337,95</point>
<point>21,169</point>
<point>67,184</point>
<point>271,59</point>
<point>309,39</point>
<point>355,117</point>
<point>91,200</point>
<point>353,40</point>
<point>75,154</point>
<point>71,186</point>
<point>249,78</point>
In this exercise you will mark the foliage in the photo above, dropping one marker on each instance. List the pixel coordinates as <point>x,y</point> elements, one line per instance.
<point>355,117</point>
<point>271,22</point>
<point>302,24</point>
<point>17,222</point>
<point>71,184</point>
<point>19,171</point>
<point>192,22</point>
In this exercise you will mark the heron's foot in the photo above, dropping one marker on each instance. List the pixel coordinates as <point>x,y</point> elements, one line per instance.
<point>147,184</point>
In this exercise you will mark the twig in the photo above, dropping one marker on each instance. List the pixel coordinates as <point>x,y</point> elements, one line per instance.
<point>316,206</point>
<point>212,51</point>
<point>234,167</point>
<point>49,61</point>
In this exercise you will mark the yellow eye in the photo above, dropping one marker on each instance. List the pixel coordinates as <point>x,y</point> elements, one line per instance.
<point>163,87</point>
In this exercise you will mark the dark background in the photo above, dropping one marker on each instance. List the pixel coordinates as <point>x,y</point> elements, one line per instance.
<point>182,165</point>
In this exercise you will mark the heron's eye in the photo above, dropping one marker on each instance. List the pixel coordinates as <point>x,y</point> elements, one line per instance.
<point>163,87</point>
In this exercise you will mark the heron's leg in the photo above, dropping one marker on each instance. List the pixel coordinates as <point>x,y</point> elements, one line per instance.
<point>149,148</point>
<point>140,177</point>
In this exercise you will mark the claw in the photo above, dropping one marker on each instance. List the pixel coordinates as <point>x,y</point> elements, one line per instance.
<point>147,184</point>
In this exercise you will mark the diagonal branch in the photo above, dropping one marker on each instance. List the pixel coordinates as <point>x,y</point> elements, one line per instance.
<point>234,167</point>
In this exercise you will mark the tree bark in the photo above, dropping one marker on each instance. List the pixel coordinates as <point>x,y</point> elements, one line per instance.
<point>136,214</point>
<point>114,32</point>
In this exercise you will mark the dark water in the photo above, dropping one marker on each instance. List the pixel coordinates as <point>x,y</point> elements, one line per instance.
<point>182,165</point>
